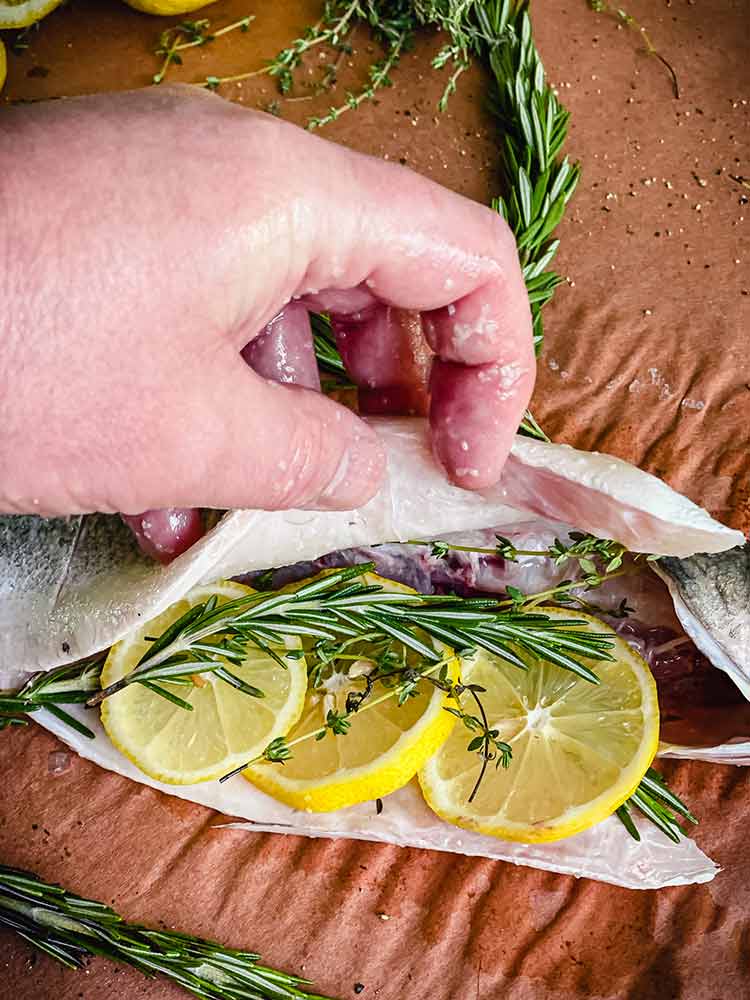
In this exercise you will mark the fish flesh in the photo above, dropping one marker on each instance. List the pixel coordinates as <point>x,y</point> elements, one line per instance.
<point>606,852</point>
<point>70,587</point>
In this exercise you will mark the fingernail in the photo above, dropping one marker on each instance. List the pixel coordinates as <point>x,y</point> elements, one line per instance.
<point>358,475</point>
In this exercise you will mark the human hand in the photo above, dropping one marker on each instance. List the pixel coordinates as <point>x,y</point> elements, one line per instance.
<point>149,237</point>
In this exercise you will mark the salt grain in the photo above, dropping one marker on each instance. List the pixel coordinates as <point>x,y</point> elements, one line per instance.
<point>58,762</point>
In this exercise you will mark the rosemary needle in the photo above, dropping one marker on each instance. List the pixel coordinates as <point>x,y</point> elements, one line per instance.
<point>72,929</point>
<point>341,606</point>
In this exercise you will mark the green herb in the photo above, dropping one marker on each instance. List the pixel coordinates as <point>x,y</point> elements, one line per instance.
<point>67,685</point>
<point>584,548</point>
<point>22,39</point>
<point>603,7</point>
<point>327,354</point>
<point>332,29</point>
<point>486,743</point>
<point>72,930</point>
<point>599,560</point>
<point>340,607</point>
<point>394,34</point>
<point>189,35</point>
<point>538,183</point>
<point>657,803</point>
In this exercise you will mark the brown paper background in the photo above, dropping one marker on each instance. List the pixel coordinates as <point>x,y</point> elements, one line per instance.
<point>653,322</point>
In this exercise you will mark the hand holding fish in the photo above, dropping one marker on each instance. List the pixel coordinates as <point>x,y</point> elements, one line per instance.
<point>155,239</point>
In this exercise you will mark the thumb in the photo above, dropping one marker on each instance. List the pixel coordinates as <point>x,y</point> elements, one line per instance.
<point>262,444</point>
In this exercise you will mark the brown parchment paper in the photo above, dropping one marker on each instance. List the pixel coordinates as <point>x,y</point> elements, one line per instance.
<point>646,357</point>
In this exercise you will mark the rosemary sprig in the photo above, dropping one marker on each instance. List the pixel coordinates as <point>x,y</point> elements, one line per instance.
<point>657,803</point>
<point>328,357</point>
<point>339,606</point>
<point>68,685</point>
<point>538,183</point>
<point>72,929</point>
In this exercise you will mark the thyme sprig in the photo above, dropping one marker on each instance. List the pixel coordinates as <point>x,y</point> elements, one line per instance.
<point>486,743</point>
<point>598,559</point>
<point>72,930</point>
<point>189,35</point>
<point>603,7</point>
<point>395,35</point>
<point>331,29</point>
<point>583,548</point>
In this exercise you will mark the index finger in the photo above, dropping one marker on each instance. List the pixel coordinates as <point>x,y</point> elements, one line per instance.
<point>413,244</point>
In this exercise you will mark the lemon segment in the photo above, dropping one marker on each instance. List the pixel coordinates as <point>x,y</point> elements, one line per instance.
<point>168,7</point>
<point>22,13</point>
<point>579,749</point>
<point>226,727</point>
<point>383,749</point>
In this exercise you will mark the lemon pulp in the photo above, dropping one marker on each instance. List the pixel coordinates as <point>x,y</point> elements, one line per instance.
<point>579,749</point>
<point>22,13</point>
<point>226,727</point>
<point>385,745</point>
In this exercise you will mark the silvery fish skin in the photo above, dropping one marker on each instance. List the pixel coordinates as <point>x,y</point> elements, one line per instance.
<point>711,595</point>
<point>69,588</point>
<point>72,586</point>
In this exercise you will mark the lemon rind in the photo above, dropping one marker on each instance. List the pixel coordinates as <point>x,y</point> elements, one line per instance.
<point>582,817</point>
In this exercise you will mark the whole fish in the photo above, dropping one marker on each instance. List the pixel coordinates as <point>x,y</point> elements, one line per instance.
<point>70,588</point>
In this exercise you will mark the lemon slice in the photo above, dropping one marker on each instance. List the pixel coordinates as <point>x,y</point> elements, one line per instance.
<point>166,7</point>
<point>22,13</point>
<point>226,727</point>
<point>383,749</point>
<point>579,749</point>
<point>3,65</point>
